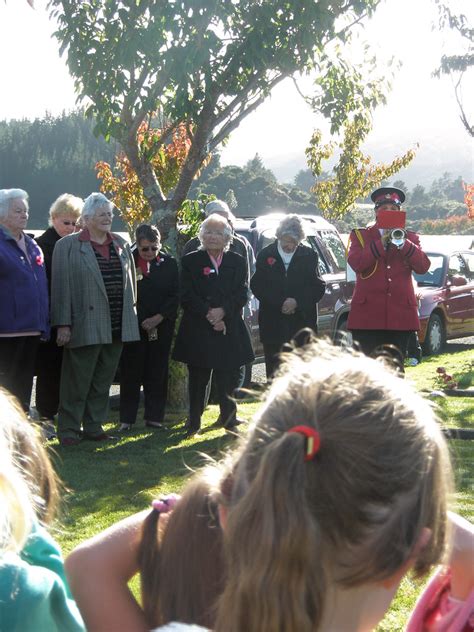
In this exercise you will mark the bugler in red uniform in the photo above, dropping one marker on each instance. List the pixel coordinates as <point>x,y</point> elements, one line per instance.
<point>384,307</point>
<point>384,297</point>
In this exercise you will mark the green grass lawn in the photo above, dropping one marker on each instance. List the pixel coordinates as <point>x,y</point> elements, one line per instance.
<point>105,483</point>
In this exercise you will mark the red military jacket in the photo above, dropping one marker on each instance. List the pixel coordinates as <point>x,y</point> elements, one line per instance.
<point>384,297</point>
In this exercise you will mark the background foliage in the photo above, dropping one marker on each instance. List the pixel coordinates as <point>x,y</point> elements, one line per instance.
<point>50,156</point>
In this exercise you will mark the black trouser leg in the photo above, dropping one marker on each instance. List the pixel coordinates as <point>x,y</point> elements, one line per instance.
<point>198,380</point>
<point>272,362</point>
<point>17,366</point>
<point>131,372</point>
<point>226,382</point>
<point>155,378</point>
<point>369,339</point>
<point>48,377</point>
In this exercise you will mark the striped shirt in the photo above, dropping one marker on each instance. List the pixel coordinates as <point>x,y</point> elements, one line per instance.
<point>111,270</point>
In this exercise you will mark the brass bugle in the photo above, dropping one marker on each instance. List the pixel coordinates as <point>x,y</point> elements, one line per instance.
<point>397,237</point>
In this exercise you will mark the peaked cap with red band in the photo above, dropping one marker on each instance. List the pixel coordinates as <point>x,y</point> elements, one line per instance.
<point>387,195</point>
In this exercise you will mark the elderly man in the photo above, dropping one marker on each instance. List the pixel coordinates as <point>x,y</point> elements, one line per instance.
<point>93,306</point>
<point>23,297</point>
<point>239,243</point>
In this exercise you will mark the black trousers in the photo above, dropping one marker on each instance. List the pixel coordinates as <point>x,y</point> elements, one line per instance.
<point>144,362</point>
<point>17,366</point>
<point>226,382</point>
<point>272,360</point>
<point>369,339</point>
<point>48,377</point>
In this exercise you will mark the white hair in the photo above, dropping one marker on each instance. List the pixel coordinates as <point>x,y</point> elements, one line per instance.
<point>93,202</point>
<point>291,226</point>
<point>7,195</point>
<point>216,219</point>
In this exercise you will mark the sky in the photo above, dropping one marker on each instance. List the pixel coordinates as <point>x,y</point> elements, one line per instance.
<point>35,80</point>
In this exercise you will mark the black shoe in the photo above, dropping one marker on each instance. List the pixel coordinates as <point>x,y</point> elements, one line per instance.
<point>153,424</point>
<point>233,424</point>
<point>123,428</point>
<point>192,432</point>
<point>102,436</point>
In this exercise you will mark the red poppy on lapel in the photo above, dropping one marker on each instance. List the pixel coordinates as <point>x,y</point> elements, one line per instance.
<point>39,259</point>
<point>271,261</point>
<point>207,271</point>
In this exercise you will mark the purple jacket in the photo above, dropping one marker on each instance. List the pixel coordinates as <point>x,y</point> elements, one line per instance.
<point>23,287</point>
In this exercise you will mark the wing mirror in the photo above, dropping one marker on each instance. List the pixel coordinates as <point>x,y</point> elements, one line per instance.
<point>457,280</point>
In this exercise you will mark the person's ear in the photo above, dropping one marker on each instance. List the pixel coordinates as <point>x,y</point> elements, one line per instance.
<point>223,510</point>
<point>420,544</point>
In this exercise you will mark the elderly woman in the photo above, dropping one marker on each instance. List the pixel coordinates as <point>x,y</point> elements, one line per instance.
<point>288,286</point>
<point>23,297</point>
<point>63,216</point>
<point>146,361</point>
<point>212,335</point>
<point>93,307</point>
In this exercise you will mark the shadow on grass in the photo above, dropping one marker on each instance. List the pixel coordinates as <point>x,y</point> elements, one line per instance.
<point>124,475</point>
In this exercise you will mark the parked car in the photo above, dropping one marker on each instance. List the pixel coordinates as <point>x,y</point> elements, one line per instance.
<point>447,299</point>
<point>321,236</point>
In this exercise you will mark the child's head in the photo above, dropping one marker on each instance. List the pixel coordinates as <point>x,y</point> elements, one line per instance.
<point>28,485</point>
<point>352,515</point>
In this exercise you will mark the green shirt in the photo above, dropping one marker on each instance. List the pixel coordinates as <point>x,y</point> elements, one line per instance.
<point>34,595</point>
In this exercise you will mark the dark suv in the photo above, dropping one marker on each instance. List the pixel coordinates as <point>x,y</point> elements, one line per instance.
<point>321,236</point>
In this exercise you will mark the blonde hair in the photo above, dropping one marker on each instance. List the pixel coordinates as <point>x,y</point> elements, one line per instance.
<point>65,204</point>
<point>350,516</point>
<point>28,484</point>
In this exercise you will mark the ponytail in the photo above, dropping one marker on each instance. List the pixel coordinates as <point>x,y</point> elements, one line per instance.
<point>149,565</point>
<point>182,569</point>
<point>273,544</point>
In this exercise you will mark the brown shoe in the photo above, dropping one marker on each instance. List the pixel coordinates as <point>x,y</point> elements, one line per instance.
<point>68,442</point>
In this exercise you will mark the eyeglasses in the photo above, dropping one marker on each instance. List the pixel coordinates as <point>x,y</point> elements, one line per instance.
<point>66,223</point>
<point>216,233</point>
<point>147,248</point>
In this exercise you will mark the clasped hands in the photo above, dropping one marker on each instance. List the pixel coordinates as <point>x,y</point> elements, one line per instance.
<point>215,316</point>
<point>152,322</point>
<point>289,306</point>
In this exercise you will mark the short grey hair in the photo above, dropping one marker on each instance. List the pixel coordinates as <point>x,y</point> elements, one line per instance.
<point>221,208</point>
<point>93,202</point>
<point>226,229</point>
<point>7,195</point>
<point>291,226</point>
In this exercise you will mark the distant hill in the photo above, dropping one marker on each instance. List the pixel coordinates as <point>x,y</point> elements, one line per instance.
<point>434,157</point>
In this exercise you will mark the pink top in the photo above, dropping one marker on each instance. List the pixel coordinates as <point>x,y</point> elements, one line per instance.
<point>437,611</point>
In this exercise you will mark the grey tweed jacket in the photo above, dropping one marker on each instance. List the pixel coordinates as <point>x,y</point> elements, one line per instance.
<point>78,296</point>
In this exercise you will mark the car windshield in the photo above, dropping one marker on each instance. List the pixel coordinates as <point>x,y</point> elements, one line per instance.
<point>335,251</point>
<point>434,276</point>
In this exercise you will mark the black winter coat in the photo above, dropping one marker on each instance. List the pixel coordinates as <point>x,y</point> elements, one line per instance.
<point>272,284</point>
<point>46,242</point>
<point>158,292</point>
<point>197,344</point>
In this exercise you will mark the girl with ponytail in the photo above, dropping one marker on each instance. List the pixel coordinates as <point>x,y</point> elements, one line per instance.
<point>340,487</point>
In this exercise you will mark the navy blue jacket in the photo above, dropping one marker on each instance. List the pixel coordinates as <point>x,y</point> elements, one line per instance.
<point>23,287</point>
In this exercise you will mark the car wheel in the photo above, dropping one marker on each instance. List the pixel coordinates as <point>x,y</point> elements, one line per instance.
<point>435,336</point>
<point>343,337</point>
